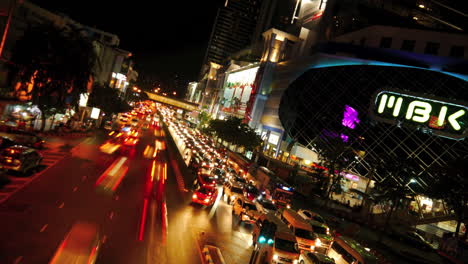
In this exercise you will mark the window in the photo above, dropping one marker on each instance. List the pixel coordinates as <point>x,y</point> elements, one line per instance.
<point>386,42</point>
<point>432,48</point>
<point>457,51</point>
<point>408,45</point>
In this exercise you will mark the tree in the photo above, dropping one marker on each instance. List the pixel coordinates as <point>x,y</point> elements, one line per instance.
<point>235,132</point>
<point>398,176</point>
<point>203,119</point>
<point>450,184</point>
<point>59,64</point>
<point>335,155</point>
<point>107,99</point>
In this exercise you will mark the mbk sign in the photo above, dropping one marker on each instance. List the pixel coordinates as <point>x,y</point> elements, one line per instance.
<point>431,115</point>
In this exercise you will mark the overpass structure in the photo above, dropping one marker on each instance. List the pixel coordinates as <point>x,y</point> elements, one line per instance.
<point>172,102</point>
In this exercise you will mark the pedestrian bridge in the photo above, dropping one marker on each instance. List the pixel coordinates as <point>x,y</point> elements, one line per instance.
<point>172,102</point>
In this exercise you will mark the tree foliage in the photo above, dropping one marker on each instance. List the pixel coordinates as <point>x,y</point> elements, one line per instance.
<point>450,184</point>
<point>335,155</point>
<point>107,99</point>
<point>58,62</point>
<point>203,119</point>
<point>234,131</point>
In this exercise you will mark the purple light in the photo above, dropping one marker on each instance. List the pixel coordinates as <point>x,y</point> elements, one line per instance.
<point>350,176</point>
<point>344,137</point>
<point>350,117</point>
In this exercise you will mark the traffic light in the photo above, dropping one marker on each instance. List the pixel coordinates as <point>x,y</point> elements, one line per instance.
<point>267,233</point>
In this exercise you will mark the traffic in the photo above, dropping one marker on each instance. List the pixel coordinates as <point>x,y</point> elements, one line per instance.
<point>278,233</point>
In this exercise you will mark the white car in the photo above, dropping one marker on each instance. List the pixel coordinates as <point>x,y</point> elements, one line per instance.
<point>315,258</point>
<point>309,215</point>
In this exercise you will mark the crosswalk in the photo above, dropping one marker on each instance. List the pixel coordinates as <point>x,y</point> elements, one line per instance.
<point>50,157</point>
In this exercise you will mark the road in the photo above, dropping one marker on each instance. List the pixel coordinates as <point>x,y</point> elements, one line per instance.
<point>144,214</point>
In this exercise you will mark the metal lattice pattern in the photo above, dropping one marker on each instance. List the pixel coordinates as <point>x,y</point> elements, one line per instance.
<point>314,104</point>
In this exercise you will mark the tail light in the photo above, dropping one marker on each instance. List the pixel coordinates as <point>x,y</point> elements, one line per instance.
<point>16,162</point>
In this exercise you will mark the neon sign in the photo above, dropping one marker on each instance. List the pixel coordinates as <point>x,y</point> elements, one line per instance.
<point>431,115</point>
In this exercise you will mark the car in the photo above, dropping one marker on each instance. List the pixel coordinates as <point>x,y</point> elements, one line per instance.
<point>233,190</point>
<point>205,179</point>
<point>266,206</point>
<point>80,246</point>
<point>309,215</point>
<point>219,174</point>
<point>108,125</point>
<point>245,210</point>
<point>205,195</point>
<point>25,138</point>
<point>21,159</point>
<point>6,142</point>
<point>130,141</point>
<point>323,233</point>
<point>251,192</point>
<point>315,258</point>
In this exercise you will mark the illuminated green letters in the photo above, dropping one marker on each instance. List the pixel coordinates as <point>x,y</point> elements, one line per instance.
<point>441,117</point>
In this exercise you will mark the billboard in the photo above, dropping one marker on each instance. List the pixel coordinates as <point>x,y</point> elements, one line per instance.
<point>237,90</point>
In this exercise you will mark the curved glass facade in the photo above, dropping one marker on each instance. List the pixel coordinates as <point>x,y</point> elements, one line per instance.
<point>340,101</point>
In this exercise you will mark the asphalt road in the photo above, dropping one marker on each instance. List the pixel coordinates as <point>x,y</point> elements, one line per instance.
<point>144,215</point>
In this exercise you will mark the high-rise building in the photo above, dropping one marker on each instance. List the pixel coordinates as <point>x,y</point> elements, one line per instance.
<point>233,29</point>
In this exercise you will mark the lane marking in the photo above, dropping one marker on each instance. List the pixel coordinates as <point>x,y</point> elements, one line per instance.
<point>44,228</point>
<point>75,189</point>
<point>104,239</point>
<point>111,215</point>
<point>62,205</point>
<point>84,178</point>
<point>18,260</point>
<point>116,197</point>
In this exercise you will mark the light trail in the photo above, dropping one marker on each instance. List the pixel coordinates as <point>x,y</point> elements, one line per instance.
<point>143,219</point>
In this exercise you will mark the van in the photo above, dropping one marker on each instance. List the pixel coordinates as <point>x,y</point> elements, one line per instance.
<point>283,248</point>
<point>345,250</point>
<point>306,239</point>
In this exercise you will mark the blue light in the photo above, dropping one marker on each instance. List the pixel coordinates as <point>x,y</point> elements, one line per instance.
<point>286,188</point>
<point>270,241</point>
<point>261,239</point>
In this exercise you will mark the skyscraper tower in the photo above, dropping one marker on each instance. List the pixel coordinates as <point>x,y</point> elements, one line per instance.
<point>233,29</point>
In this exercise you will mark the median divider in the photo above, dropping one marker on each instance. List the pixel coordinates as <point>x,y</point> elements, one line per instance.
<point>212,255</point>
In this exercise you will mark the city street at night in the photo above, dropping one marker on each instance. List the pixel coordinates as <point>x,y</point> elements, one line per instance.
<point>234,132</point>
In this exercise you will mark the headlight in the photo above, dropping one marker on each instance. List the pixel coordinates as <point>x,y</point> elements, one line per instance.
<point>295,261</point>
<point>312,248</point>
<point>194,196</point>
<point>318,243</point>
<point>275,257</point>
<point>206,200</point>
<point>288,206</point>
<point>233,197</point>
<point>328,231</point>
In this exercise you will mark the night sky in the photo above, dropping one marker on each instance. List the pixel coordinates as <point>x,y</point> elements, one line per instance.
<point>166,37</point>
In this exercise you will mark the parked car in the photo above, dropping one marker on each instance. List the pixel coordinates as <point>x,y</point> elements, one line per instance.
<point>20,159</point>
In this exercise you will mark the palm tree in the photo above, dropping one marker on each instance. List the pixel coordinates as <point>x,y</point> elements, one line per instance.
<point>59,64</point>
